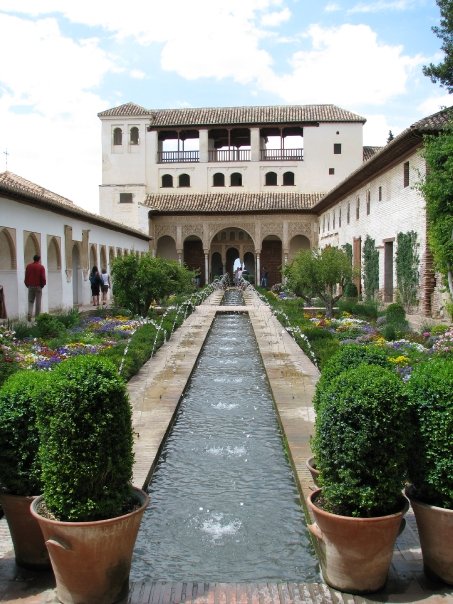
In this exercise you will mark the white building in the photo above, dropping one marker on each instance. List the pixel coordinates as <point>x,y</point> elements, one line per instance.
<point>69,240</point>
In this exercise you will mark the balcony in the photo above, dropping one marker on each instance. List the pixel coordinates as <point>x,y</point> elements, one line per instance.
<point>178,157</point>
<point>223,155</point>
<point>282,154</point>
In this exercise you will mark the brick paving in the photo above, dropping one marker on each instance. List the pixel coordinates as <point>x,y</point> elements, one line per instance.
<point>155,392</point>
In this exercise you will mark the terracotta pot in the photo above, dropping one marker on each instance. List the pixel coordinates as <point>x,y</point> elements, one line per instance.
<point>311,465</point>
<point>435,529</point>
<point>355,553</point>
<point>92,560</point>
<point>29,548</point>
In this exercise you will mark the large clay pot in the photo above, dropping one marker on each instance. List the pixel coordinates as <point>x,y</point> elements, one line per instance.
<point>92,560</point>
<point>435,529</point>
<point>355,552</point>
<point>311,465</point>
<point>29,548</point>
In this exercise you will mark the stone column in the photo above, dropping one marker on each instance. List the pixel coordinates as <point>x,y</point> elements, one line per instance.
<point>258,269</point>
<point>203,141</point>
<point>206,266</point>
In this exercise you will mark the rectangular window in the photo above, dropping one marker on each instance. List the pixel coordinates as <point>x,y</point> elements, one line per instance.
<point>357,208</point>
<point>331,171</point>
<point>339,217</point>
<point>380,193</point>
<point>406,173</point>
<point>323,223</point>
<point>125,197</point>
<point>333,220</point>
<point>337,148</point>
<point>368,202</point>
<point>348,215</point>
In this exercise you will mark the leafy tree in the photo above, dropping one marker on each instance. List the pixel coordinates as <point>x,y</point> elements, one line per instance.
<point>390,136</point>
<point>370,268</point>
<point>443,71</point>
<point>437,188</point>
<point>407,265</point>
<point>320,273</point>
<point>138,280</point>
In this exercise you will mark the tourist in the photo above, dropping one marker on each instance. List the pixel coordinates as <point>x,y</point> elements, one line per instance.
<point>105,286</point>
<point>35,281</point>
<point>96,283</point>
<point>264,277</point>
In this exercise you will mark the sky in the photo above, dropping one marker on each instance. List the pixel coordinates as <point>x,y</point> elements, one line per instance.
<point>64,61</point>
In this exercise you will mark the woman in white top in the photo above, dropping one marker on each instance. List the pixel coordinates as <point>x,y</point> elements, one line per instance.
<point>105,286</point>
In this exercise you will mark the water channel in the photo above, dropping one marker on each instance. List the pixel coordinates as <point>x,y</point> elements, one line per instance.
<point>224,504</point>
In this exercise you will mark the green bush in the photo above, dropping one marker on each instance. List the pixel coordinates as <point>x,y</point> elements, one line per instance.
<point>86,452</point>
<point>350,291</point>
<point>20,470</point>
<point>360,442</point>
<point>8,366</point>
<point>364,310</point>
<point>49,326</point>
<point>348,356</point>
<point>430,391</point>
<point>396,315</point>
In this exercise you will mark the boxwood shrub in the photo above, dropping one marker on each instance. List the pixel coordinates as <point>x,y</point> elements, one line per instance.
<point>86,452</point>
<point>360,442</point>
<point>20,470</point>
<point>430,391</point>
<point>348,357</point>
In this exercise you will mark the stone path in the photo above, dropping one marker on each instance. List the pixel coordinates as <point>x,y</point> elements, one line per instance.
<point>155,392</point>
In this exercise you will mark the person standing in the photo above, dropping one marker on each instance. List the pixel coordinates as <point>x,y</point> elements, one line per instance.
<point>96,283</point>
<point>105,286</point>
<point>35,281</point>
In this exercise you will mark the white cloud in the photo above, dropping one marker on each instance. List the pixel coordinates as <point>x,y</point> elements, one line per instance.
<point>347,66</point>
<point>332,7</point>
<point>380,6</point>
<point>137,74</point>
<point>276,18</point>
<point>376,130</point>
<point>435,103</point>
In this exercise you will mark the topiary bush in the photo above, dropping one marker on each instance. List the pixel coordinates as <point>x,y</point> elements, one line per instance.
<point>396,316</point>
<point>49,326</point>
<point>430,391</point>
<point>20,469</point>
<point>351,291</point>
<point>360,442</point>
<point>86,452</point>
<point>348,357</point>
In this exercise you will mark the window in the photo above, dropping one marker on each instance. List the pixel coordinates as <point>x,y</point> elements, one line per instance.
<point>348,215</point>
<point>133,136</point>
<point>323,223</point>
<point>218,180</point>
<point>117,136</point>
<point>288,179</point>
<point>236,179</point>
<point>337,148</point>
<point>406,173</point>
<point>368,202</point>
<point>183,180</point>
<point>333,219</point>
<point>125,197</point>
<point>339,218</point>
<point>331,171</point>
<point>380,193</point>
<point>357,208</point>
<point>167,181</point>
<point>328,222</point>
<point>271,179</point>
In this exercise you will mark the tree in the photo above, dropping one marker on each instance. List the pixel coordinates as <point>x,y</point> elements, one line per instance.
<point>443,71</point>
<point>138,280</point>
<point>319,273</point>
<point>437,188</point>
<point>407,264</point>
<point>370,268</point>
<point>390,137</point>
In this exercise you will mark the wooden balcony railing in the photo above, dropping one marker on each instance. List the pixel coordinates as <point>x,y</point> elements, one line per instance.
<point>229,155</point>
<point>282,154</point>
<point>175,157</point>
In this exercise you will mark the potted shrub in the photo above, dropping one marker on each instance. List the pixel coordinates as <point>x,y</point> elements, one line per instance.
<point>20,471</point>
<point>89,513</point>
<point>430,390</point>
<point>360,445</point>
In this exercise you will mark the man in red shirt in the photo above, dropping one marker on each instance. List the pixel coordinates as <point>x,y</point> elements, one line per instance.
<point>35,280</point>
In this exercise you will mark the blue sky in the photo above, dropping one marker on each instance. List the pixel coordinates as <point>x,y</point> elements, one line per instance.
<point>64,61</point>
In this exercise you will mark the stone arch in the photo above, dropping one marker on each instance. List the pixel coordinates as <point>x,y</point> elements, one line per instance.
<point>93,256</point>
<point>119,252</point>
<point>8,270</point>
<point>103,257</point>
<point>297,243</point>
<point>166,248</point>
<point>54,276</point>
<point>111,255</point>
<point>216,265</point>
<point>271,258</point>
<point>31,247</point>
<point>249,265</point>
<point>194,255</point>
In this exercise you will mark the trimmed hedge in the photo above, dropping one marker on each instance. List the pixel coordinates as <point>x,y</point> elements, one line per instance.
<point>361,441</point>
<point>430,391</point>
<point>86,454</point>
<point>20,470</point>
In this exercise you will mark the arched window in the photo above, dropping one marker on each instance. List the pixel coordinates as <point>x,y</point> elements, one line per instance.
<point>117,136</point>
<point>133,135</point>
<point>183,180</point>
<point>271,179</point>
<point>288,179</point>
<point>218,180</point>
<point>236,179</point>
<point>167,180</point>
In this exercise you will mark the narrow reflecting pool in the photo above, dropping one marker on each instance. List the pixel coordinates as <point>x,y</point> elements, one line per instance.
<point>224,504</point>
